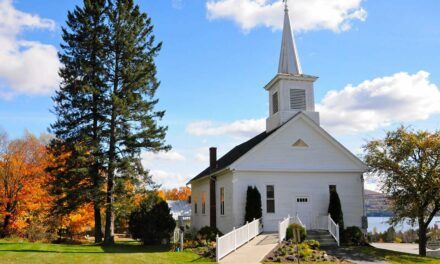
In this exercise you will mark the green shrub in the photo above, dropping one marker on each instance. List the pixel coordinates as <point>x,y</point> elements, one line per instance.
<point>292,227</point>
<point>209,233</point>
<point>335,209</point>
<point>253,208</point>
<point>152,222</point>
<point>353,235</point>
<point>313,244</point>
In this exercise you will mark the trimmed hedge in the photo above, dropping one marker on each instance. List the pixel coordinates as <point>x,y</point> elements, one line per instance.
<point>353,236</point>
<point>209,233</point>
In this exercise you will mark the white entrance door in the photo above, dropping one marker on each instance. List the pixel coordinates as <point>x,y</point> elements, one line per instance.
<point>303,209</point>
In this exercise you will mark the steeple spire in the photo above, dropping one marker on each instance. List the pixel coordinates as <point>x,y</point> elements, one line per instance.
<point>289,61</point>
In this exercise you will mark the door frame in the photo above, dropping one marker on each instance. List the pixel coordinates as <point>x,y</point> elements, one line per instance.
<point>308,225</point>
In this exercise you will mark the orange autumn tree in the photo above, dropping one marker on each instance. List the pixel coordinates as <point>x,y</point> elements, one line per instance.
<point>80,220</point>
<point>23,196</point>
<point>182,194</point>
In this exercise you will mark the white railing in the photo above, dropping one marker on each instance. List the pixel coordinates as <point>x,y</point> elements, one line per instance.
<point>333,228</point>
<point>296,220</point>
<point>236,238</point>
<point>283,225</point>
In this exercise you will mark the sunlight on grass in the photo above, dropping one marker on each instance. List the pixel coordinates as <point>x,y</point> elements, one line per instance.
<point>396,257</point>
<point>131,252</point>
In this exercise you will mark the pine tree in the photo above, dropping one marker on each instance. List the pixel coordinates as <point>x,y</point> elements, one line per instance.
<point>105,106</point>
<point>132,119</point>
<point>79,106</point>
<point>335,209</point>
<point>253,208</point>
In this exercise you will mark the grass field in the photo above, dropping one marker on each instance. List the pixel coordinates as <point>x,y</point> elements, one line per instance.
<point>132,252</point>
<point>126,253</point>
<point>396,257</point>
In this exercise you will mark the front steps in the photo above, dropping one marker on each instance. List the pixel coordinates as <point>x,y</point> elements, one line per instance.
<point>323,236</point>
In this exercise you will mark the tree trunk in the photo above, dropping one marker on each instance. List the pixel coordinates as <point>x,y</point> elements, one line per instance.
<point>98,227</point>
<point>109,216</point>
<point>6,223</point>
<point>7,220</point>
<point>422,238</point>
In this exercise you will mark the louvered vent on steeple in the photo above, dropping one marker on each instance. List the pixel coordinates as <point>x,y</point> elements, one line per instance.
<point>297,99</point>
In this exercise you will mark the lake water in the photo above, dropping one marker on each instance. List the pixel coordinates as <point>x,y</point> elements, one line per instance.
<point>381,224</point>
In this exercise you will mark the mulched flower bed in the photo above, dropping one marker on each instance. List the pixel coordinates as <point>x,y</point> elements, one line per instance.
<point>308,251</point>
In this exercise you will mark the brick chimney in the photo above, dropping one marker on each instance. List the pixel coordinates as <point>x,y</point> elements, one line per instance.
<point>212,196</point>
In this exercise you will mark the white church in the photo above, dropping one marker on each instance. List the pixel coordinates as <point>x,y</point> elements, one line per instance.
<point>293,163</point>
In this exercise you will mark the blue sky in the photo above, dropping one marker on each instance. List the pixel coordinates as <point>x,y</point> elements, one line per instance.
<point>377,61</point>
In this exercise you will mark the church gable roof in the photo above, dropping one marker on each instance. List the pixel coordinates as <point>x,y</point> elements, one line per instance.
<point>234,154</point>
<point>239,152</point>
<point>324,153</point>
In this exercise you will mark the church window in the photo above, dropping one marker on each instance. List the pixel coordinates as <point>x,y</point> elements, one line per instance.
<point>195,203</point>
<point>302,200</point>
<point>275,103</point>
<point>203,202</point>
<point>222,201</point>
<point>270,199</point>
<point>297,99</point>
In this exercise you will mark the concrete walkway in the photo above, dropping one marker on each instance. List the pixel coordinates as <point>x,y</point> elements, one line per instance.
<point>254,251</point>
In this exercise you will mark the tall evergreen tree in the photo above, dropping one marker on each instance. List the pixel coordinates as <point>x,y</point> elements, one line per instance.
<point>79,106</point>
<point>253,208</point>
<point>335,209</point>
<point>132,120</point>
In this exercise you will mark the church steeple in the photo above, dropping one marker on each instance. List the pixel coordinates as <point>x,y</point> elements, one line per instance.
<point>290,91</point>
<point>289,60</point>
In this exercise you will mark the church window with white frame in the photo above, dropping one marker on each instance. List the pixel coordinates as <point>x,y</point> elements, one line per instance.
<point>222,201</point>
<point>270,198</point>
<point>203,202</point>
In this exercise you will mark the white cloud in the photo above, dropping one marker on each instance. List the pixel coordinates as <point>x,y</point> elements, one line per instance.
<point>172,155</point>
<point>201,157</point>
<point>372,185</point>
<point>380,102</point>
<point>241,128</point>
<point>169,179</point>
<point>28,67</point>
<point>306,15</point>
<point>177,4</point>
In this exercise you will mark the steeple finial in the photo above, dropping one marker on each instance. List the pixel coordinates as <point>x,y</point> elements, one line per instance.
<point>289,61</point>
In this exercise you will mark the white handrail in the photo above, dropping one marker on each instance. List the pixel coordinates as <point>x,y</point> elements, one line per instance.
<point>333,228</point>
<point>236,238</point>
<point>296,220</point>
<point>282,227</point>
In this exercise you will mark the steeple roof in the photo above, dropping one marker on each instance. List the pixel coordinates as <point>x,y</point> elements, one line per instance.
<point>289,61</point>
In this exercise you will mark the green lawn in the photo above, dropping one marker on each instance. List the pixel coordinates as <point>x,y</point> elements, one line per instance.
<point>126,253</point>
<point>396,257</point>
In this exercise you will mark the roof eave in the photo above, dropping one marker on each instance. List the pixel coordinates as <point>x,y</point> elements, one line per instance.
<point>215,173</point>
<point>286,76</point>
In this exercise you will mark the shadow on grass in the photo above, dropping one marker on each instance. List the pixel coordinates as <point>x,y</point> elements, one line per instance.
<point>82,249</point>
<point>130,248</point>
